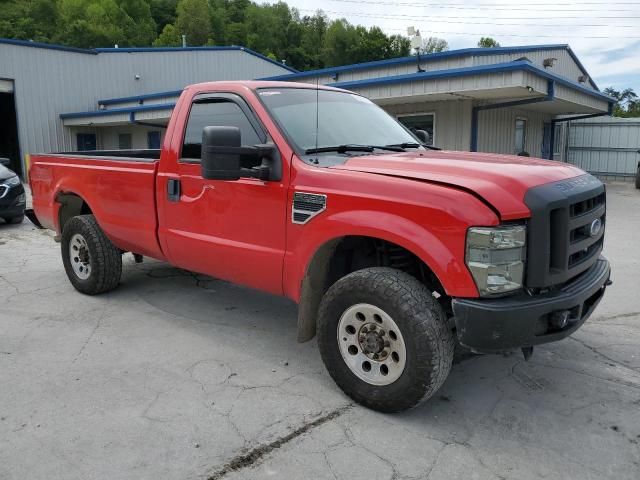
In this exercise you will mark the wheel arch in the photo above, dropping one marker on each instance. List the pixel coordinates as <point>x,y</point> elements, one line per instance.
<point>339,256</point>
<point>70,204</point>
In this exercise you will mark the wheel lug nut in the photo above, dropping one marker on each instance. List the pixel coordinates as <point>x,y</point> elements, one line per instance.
<point>382,333</point>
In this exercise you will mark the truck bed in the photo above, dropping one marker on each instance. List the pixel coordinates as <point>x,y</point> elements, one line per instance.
<point>118,187</point>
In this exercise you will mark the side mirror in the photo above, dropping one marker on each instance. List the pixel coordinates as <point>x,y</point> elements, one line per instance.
<point>223,156</point>
<point>423,136</point>
<point>220,157</point>
<point>5,162</point>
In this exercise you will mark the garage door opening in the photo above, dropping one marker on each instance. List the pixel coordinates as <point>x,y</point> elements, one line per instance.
<point>9,146</point>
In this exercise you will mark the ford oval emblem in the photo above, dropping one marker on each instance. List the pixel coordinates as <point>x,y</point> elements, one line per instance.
<point>595,227</point>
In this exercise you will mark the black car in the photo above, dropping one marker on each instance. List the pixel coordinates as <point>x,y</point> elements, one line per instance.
<point>12,196</point>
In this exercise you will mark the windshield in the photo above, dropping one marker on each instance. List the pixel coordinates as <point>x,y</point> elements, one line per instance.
<point>342,119</point>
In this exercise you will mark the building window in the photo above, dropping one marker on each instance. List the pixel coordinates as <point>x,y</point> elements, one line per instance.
<point>153,140</point>
<point>86,141</point>
<point>124,141</point>
<point>421,121</point>
<point>521,135</point>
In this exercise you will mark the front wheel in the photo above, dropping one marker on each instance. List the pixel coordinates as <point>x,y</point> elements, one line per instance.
<point>384,339</point>
<point>93,264</point>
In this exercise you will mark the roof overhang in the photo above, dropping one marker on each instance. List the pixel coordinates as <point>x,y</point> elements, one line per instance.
<point>156,114</point>
<point>518,80</point>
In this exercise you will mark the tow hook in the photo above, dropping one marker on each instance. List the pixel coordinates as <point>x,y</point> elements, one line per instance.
<point>527,352</point>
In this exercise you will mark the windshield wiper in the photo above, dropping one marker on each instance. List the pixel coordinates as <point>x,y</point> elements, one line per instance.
<point>406,145</point>
<point>414,145</point>
<point>354,148</point>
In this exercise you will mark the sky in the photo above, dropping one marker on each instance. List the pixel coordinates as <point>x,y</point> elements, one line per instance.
<point>604,35</point>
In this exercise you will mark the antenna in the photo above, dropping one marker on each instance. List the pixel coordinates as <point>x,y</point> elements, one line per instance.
<point>316,161</point>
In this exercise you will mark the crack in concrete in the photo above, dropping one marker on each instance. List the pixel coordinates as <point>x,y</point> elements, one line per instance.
<point>93,332</point>
<point>256,454</point>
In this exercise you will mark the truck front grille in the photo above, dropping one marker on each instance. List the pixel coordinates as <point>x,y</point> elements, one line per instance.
<point>566,229</point>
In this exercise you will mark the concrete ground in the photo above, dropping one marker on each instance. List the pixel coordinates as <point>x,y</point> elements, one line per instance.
<point>180,376</point>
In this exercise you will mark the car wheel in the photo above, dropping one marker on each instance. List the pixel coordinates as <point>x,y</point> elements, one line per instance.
<point>93,264</point>
<point>384,339</point>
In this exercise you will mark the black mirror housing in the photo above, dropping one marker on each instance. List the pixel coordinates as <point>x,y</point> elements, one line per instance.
<point>422,135</point>
<point>220,156</point>
<point>223,155</point>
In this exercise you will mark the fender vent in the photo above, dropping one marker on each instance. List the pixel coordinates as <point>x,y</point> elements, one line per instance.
<point>306,206</point>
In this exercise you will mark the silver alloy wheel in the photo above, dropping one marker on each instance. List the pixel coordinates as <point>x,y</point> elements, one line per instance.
<point>371,344</point>
<point>79,256</point>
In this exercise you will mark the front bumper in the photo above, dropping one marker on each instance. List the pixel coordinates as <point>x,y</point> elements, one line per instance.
<point>495,325</point>
<point>11,203</point>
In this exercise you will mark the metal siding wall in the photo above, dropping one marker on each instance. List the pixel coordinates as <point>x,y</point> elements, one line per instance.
<point>453,121</point>
<point>400,69</point>
<point>50,82</point>
<point>573,96</point>
<point>564,66</point>
<point>606,146</point>
<point>496,130</point>
<point>445,85</point>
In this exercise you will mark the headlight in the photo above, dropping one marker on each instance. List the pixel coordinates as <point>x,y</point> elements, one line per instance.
<point>495,257</point>
<point>11,181</point>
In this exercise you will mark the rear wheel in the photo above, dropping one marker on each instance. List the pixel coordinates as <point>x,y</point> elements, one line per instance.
<point>384,339</point>
<point>93,264</point>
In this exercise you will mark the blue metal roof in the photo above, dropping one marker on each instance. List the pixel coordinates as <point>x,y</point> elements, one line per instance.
<point>114,111</point>
<point>140,98</point>
<point>432,56</point>
<point>96,51</point>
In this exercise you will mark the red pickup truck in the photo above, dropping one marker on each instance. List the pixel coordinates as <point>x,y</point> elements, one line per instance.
<point>393,250</point>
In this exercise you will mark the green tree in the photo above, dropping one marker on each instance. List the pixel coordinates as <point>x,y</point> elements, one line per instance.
<point>163,12</point>
<point>435,45</point>
<point>28,20</point>
<point>193,20</point>
<point>90,23</point>
<point>169,37</point>
<point>627,102</point>
<point>488,42</point>
<point>399,46</point>
<point>139,26</point>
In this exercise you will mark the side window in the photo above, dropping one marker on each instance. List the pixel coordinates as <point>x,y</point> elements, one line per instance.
<point>153,140</point>
<point>86,141</point>
<point>215,113</point>
<point>521,135</point>
<point>124,141</point>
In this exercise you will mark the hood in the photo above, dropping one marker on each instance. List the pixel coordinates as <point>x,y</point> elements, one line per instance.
<point>501,180</point>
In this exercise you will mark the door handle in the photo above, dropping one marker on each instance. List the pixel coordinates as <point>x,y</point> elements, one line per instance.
<point>173,190</point>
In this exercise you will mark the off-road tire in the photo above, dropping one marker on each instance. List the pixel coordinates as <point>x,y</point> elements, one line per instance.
<point>15,220</point>
<point>429,341</point>
<point>105,258</point>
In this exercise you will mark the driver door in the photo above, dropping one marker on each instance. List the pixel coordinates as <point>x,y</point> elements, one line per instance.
<point>229,229</point>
